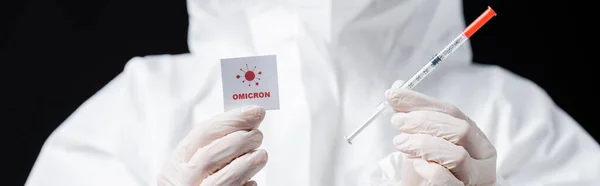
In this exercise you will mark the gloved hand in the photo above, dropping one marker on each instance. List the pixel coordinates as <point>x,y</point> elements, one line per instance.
<point>220,151</point>
<point>442,146</point>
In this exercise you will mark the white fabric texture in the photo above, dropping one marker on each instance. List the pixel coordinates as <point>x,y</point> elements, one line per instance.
<point>335,60</point>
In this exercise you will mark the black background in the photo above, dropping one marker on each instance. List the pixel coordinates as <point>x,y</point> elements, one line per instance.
<point>57,53</point>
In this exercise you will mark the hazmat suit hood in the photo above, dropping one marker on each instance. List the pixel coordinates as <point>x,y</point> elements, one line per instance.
<point>388,38</point>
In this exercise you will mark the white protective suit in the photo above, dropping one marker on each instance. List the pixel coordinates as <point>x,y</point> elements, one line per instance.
<point>335,60</point>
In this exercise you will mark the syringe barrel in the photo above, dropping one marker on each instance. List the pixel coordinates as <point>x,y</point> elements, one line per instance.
<point>431,65</point>
<point>434,61</point>
<point>452,46</point>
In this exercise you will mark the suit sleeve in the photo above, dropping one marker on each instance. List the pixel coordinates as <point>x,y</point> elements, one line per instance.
<point>87,149</point>
<point>537,142</point>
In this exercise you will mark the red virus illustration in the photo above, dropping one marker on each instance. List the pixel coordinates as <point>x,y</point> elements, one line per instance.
<point>250,76</point>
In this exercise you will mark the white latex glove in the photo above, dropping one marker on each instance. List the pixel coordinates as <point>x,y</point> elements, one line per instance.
<point>443,145</point>
<point>220,151</point>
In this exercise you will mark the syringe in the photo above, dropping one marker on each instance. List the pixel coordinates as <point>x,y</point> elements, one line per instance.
<point>430,66</point>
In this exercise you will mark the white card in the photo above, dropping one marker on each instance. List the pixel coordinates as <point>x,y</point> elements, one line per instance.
<point>250,81</point>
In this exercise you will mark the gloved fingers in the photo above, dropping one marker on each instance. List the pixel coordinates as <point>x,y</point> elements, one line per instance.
<point>397,84</point>
<point>250,183</point>
<point>445,126</point>
<point>406,100</point>
<point>432,123</point>
<point>408,174</point>
<point>245,118</point>
<point>220,152</point>
<point>239,171</point>
<point>434,174</point>
<point>433,149</point>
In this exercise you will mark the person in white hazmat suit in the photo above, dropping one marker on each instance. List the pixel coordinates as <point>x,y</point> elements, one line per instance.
<point>160,121</point>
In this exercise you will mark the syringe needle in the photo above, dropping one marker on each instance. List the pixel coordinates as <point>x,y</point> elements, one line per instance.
<point>430,66</point>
